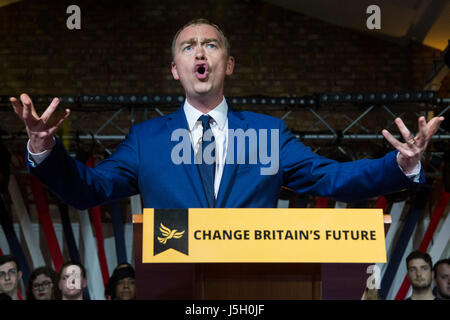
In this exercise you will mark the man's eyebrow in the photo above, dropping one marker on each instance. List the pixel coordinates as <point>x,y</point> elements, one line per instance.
<point>193,40</point>
<point>207,40</point>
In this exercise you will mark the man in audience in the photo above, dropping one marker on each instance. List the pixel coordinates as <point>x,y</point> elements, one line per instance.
<point>121,285</point>
<point>10,276</point>
<point>420,274</point>
<point>71,281</point>
<point>442,279</point>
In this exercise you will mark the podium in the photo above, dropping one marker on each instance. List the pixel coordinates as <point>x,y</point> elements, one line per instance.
<point>231,281</point>
<point>236,281</point>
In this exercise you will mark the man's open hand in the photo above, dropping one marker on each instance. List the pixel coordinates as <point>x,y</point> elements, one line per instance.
<point>38,128</point>
<point>412,150</point>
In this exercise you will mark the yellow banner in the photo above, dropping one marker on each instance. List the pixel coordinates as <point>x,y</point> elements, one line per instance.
<point>263,235</point>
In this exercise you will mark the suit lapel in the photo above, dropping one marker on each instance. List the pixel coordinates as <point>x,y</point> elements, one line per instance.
<point>235,121</point>
<point>177,120</point>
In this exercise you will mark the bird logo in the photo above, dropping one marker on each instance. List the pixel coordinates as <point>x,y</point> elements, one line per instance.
<point>169,234</point>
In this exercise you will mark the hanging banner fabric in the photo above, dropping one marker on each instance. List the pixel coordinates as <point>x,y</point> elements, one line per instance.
<point>46,222</point>
<point>25,223</point>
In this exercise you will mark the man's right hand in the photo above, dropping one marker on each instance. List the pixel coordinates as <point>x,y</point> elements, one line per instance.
<point>38,128</point>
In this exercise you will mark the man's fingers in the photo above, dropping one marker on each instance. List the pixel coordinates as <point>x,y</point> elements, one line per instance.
<point>433,125</point>
<point>17,107</point>
<point>391,139</point>
<point>49,111</point>
<point>60,121</point>
<point>406,134</point>
<point>423,129</point>
<point>28,107</point>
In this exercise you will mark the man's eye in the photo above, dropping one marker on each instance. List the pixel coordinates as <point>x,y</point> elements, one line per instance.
<point>188,48</point>
<point>211,45</point>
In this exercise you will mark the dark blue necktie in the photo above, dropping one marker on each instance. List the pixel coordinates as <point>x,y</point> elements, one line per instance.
<point>206,168</point>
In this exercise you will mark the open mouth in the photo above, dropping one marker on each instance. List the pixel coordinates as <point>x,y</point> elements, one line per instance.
<point>201,71</point>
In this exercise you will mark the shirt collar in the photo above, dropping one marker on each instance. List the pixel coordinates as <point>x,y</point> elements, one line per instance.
<point>219,114</point>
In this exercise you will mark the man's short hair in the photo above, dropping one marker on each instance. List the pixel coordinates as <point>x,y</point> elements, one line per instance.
<point>71,263</point>
<point>195,22</point>
<point>419,255</point>
<point>9,258</point>
<point>436,265</point>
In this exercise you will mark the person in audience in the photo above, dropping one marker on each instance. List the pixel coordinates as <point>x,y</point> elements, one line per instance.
<point>122,284</point>
<point>420,274</point>
<point>71,281</point>
<point>41,284</point>
<point>4,296</point>
<point>10,276</point>
<point>442,279</point>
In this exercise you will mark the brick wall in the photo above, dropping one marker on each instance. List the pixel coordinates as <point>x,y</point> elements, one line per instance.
<point>125,48</point>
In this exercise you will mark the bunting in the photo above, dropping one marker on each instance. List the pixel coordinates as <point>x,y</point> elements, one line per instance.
<point>25,223</point>
<point>394,228</point>
<point>97,220</point>
<point>13,241</point>
<point>119,235</point>
<point>322,202</point>
<point>402,243</point>
<point>94,275</point>
<point>46,222</point>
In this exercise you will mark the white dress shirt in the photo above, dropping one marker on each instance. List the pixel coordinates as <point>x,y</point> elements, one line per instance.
<point>219,128</point>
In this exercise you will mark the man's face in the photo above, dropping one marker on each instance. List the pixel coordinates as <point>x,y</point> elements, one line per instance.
<point>443,280</point>
<point>201,62</point>
<point>419,273</point>
<point>9,278</point>
<point>42,287</point>
<point>126,289</point>
<point>71,283</point>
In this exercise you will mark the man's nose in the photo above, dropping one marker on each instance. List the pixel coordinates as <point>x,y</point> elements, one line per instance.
<point>200,53</point>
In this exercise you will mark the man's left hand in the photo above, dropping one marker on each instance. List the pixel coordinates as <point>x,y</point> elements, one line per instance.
<point>411,151</point>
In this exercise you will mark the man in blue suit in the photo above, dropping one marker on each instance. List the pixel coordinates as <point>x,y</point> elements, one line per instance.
<point>148,161</point>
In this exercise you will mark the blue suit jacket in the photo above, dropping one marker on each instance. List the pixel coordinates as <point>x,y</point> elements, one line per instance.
<point>142,164</point>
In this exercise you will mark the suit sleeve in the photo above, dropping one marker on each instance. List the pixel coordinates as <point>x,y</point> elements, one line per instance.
<point>307,172</point>
<point>83,187</point>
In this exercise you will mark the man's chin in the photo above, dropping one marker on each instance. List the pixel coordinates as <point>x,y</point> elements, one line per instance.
<point>203,88</point>
<point>421,285</point>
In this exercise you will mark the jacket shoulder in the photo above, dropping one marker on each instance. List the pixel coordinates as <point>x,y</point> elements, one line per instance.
<point>260,119</point>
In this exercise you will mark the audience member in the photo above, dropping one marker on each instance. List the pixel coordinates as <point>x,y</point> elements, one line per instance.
<point>41,284</point>
<point>71,281</point>
<point>442,279</point>
<point>122,284</point>
<point>10,276</point>
<point>420,274</point>
<point>4,296</point>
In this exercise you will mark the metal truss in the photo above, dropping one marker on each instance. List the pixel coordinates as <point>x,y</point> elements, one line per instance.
<point>323,109</point>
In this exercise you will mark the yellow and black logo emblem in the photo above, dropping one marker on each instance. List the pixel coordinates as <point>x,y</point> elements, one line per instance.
<point>171,230</point>
<point>169,234</point>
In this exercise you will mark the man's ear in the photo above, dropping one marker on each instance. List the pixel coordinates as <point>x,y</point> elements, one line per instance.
<point>175,71</point>
<point>19,275</point>
<point>84,283</point>
<point>230,66</point>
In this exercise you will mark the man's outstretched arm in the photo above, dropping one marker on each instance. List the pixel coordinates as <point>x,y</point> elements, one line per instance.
<point>76,184</point>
